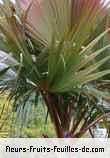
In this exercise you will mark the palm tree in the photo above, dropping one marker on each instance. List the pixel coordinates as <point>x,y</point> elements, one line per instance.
<point>56,46</point>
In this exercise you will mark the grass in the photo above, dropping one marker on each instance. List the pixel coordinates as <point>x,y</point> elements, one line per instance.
<point>36,127</point>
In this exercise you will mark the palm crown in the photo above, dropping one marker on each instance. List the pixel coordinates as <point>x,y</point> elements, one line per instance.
<point>54,44</point>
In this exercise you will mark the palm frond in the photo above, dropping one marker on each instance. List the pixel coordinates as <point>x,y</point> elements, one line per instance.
<point>55,45</point>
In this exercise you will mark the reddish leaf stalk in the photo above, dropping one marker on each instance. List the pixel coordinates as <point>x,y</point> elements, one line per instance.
<point>50,103</point>
<point>77,124</point>
<point>91,125</point>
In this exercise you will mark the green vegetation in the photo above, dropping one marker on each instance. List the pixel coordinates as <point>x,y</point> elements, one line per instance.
<point>35,127</point>
<point>60,61</point>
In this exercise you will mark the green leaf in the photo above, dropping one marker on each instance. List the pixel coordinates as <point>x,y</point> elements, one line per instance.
<point>95,76</point>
